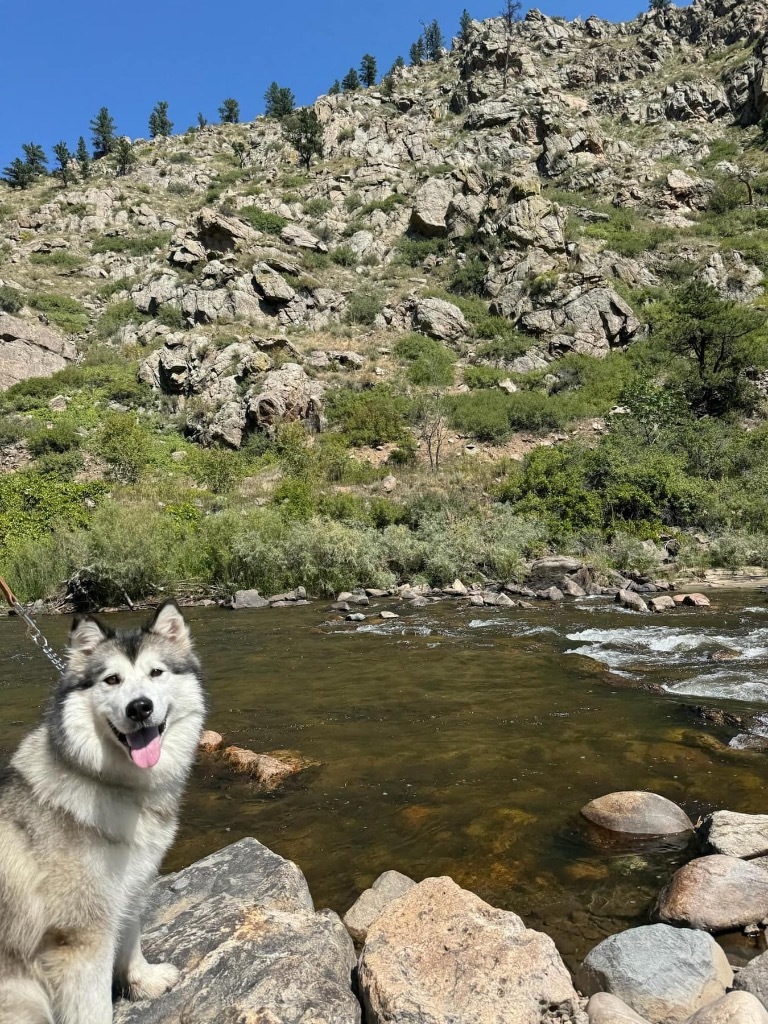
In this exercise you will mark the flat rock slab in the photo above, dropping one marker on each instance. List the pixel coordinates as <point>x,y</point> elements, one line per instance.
<point>603,1008</point>
<point>371,903</point>
<point>664,974</point>
<point>639,813</point>
<point>715,894</point>
<point>736,835</point>
<point>754,978</point>
<point>734,1008</point>
<point>241,928</point>
<point>439,954</point>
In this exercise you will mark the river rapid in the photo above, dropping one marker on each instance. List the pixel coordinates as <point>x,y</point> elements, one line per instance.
<point>464,741</point>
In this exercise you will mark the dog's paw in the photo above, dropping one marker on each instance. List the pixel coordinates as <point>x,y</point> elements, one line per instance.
<point>153,981</point>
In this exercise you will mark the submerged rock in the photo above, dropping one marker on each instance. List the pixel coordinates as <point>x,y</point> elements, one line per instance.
<point>736,835</point>
<point>716,894</point>
<point>665,974</point>
<point>371,902</point>
<point>439,953</point>
<point>270,770</point>
<point>241,927</point>
<point>638,813</point>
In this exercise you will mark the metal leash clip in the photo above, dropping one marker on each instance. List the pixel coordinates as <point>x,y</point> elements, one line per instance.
<point>34,632</point>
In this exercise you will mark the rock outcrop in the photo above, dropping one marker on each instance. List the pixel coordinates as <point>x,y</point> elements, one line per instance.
<point>31,350</point>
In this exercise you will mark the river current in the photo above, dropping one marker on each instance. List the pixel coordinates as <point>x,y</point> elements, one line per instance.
<point>464,741</point>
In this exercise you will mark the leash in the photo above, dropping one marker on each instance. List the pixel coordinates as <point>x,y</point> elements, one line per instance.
<point>33,630</point>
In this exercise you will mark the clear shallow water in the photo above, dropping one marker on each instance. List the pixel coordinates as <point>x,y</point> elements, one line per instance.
<point>464,742</point>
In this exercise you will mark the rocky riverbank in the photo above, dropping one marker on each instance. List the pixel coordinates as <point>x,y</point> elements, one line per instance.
<point>242,928</point>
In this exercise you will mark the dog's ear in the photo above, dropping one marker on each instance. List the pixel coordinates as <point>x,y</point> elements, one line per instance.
<point>168,622</point>
<point>86,635</point>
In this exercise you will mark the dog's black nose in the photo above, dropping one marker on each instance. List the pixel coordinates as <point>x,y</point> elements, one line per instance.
<point>140,709</point>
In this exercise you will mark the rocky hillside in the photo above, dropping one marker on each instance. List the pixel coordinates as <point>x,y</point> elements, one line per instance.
<point>430,299</point>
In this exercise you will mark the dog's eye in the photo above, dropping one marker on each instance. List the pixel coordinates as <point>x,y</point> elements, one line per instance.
<point>112,680</point>
<point>155,673</point>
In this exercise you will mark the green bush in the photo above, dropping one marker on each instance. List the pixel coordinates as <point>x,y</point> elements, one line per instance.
<point>364,306</point>
<point>171,316</point>
<point>387,205</point>
<point>728,194</point>
<point>59,259</point>
<point>628,234</point>
<point>125,446</point>
<point>32,505</point>
<point>117,315</point>
<point>477,377</point>
<point>317,207</point>
<point>260,220</point>
<point>62,437</point>
<point>370,417</point>
<point>11,299</point>
<point>429,362</point>
<point>61,310</point>
<point>411,251</point>
<point>180,188</point>
<point>344,256</point>
<point>468,277</point>
<point>132,245</point>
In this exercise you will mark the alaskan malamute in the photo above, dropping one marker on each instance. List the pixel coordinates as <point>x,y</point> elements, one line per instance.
<point>88,807</point>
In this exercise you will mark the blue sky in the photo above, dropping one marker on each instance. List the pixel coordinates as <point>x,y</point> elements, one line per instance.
<point>62,61</point>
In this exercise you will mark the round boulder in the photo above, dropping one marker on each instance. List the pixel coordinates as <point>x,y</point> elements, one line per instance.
<point>638,813</point>
<point>664,974</point>
<point>754,978</point>
<point>603,1008</point>
<point>716,894</point>
<point>735,1008</point>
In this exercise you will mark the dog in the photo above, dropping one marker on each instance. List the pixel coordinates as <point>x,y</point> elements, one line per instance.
<point>88,807</point>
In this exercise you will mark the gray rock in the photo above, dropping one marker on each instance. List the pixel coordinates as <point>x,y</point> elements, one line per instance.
<point>715,893</point>
<point>388,615</point>
<point>550,594</point>
<point>628,599</point>
<point>371,903</point>
<point>661,604</point>
<point>754,978</point>
<point>241,928</point>
<point>430,207</point>
<point>733,1008</point>
<point>664,974</point>
<point>31,350</point>
<point>736,835</point>
<point>270,285</point>
<point>248,599</point>
<point>440,319</point>
<point>638,813</point>
<point>439,954</point>
<point>294,234</point>
<point>603,1008</point>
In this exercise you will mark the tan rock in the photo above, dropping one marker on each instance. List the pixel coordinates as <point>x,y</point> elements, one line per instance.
<point>439,953</point>
<point>736,835</point>
<point>661,604</point>
<point>733,1008</point>
<point>716,893</point>
<point>31,350</point>
<point>210,741</point>
<point>603,1008</point>
<point>697,600</point>
<point>270,770</point>
<point>638,813</point>
<point>371,903</point>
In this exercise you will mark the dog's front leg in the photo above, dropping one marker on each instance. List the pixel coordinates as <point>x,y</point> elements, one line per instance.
<point>134,976</point>
<point>82,986</point>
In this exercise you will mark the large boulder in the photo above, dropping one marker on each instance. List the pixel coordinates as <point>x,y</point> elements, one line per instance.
<point>733,1008</point>
<point>736,835</point>
<point>430,207</point>
<point>370,904</point>
<point>715,894</point>
<point>754,978</point>
<point>295,234</point>
<point>241,927</point>
<point>440,319</point>
<point>586,319</point>
<point>535,221</point>
<point>665,974</point>
<point>218,233</point>
<point>639,813</point>
<point>603,1008</point>
<point>286,394</point>
<point>31,350</point>
<point>439,953</point>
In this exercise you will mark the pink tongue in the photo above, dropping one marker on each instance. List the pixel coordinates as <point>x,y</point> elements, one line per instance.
<point>144,746</point>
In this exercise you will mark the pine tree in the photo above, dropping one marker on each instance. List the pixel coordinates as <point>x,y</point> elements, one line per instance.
<point>398,65</point>
<point>368,70</point>
<point>202,121</point>
<point>510,14</point>
<point>124,156</point>
<point>351,81</point>
<point>229,111</point>
<point>433,41</point>
<point>103,130</point>
<point>305,133</point>
<point>335,88</point>
<point>159,122</point>
<point>465,25</point>
<point>35,159</point>
<point>387,86</point>
<point>279,101</point>
<point>83,158</point>
<point>659,5</point>
<point>17,174</point>
<point>64,158</point>
<point>417,52</point>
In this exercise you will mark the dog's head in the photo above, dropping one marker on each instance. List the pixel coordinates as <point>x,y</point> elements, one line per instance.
<point>130,701</point>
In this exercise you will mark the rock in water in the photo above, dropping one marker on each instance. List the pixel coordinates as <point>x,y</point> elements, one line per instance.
<point>737,835</point>
<point>603,1008</point>
<point>439,953</point>
<point>630,600</point>
<point>371,903</point>
<point>734,1008</point>
<point>665,974</point>
<point>210,741</point>
<point>638,813</point>
<point>716,894</point>
<point>241,928</point>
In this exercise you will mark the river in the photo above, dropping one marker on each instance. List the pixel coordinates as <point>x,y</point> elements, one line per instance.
<point>463,742</point>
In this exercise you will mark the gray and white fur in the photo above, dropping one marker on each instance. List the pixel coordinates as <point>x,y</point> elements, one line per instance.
<point>88,808</point>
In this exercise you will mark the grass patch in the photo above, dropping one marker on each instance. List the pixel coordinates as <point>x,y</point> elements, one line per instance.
<point>131,245</point>
<point>59,259</point>
<point>260,220</point>
<point>61,310</point>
